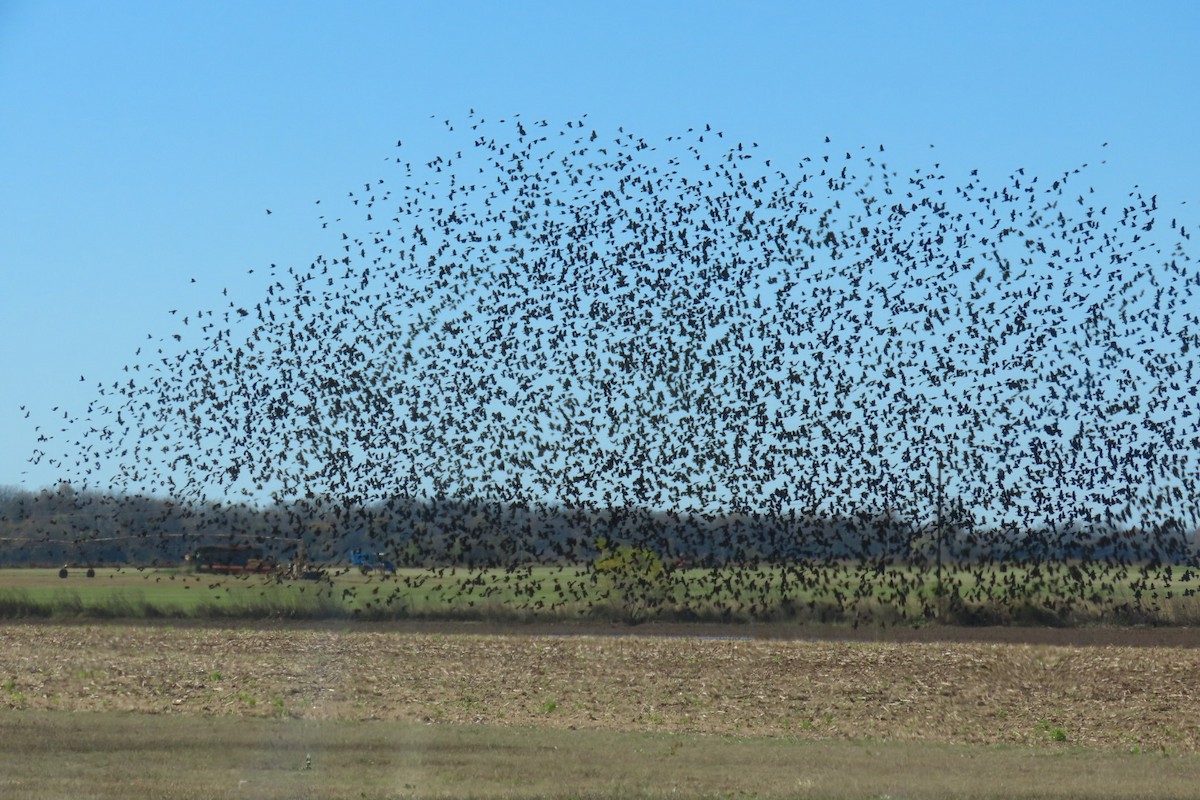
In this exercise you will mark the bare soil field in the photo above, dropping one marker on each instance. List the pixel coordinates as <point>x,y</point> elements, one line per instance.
<point>1086,688</point>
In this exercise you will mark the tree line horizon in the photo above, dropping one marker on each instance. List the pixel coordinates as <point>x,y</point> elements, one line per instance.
<point>51,526</point>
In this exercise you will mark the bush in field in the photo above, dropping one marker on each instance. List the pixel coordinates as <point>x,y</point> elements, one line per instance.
<point>634,579</point>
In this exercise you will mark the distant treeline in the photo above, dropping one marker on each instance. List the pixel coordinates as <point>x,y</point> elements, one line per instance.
<point>56,526</point>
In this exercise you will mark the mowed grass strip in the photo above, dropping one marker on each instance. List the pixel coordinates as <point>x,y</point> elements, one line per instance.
<point>839,593</point>
<point>130,594</point>
<point>114,755</point>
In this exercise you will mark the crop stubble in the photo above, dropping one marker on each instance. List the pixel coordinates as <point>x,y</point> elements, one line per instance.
<point>1109,696</point>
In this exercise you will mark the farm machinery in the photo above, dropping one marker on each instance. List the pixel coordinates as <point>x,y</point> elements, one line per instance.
<point>371,562</point>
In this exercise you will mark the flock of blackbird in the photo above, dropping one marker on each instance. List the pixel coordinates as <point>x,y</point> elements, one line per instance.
<point>832,379</point>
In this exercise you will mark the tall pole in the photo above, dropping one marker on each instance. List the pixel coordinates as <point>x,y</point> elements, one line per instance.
<point>940,489</point>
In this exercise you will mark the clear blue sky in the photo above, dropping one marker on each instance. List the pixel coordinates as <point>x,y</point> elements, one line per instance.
<point>142,142</point>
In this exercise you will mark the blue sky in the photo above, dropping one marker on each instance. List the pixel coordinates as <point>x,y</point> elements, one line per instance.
<point>141,143</point>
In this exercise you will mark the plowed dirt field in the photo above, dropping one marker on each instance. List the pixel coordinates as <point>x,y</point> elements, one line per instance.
<point>1094,691</point>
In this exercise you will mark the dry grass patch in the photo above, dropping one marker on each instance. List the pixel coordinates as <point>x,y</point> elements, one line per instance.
<point>111,755</point>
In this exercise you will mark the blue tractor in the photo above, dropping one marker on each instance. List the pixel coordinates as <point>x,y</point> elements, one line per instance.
<point>371,562</point>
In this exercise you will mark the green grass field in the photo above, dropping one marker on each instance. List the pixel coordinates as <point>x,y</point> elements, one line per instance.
<point>842,593</point>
